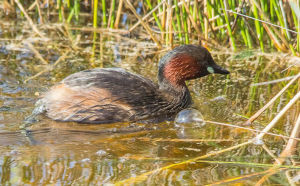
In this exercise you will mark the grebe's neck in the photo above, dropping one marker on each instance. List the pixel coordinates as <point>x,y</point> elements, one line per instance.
<point>178,96</point>
<point>171,79</point>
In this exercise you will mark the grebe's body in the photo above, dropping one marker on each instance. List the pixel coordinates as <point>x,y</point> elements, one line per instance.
<point>114,95</point>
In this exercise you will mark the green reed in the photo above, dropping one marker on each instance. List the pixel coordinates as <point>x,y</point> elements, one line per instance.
<point>71,14</point>
<point>112,13</point>
<point>104,21</point>
<point>95,25</point>
<point>95,15</point>
<point>155,16</point>
<point>77,9</point>
<point>225,7</point>
<point>185,24</point>
<point>60,14</point>
<point>217,20</point>
<point>179,26</point>
<point>253,92</point>
<point>258,27</point>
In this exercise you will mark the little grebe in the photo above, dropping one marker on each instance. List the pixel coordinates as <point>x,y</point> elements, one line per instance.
<point>112,95</point>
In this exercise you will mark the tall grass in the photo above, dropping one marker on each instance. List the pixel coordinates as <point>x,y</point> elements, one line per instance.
<point>266,24</point>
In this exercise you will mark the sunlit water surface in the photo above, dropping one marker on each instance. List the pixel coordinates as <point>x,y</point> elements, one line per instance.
<point>67,153</point>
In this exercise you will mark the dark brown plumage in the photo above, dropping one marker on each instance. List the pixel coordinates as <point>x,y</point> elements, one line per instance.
<point>114,95</point>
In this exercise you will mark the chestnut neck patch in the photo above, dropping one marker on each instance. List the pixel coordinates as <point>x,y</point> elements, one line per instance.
<point>180,68</point>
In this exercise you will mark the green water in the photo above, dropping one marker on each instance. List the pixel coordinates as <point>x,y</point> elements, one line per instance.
<point>69,153</point>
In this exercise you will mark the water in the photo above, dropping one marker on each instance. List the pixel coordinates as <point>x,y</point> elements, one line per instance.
<point>71,153</point>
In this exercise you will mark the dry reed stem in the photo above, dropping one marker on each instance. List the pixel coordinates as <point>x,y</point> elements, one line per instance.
<point>272,81</point>
<point>100,30</point>
<point>284,41</point>
<point>258,113</point>
<point>37,2</point>
<point>31,7</point>
<point>161,13</point>
<point>205,20</point>
<point>289,178</point>
<point>292,144</point>
<point>166,32</point>
<point>48,68</point>
<point>146,16</point>
<point>211,28</point>
<point>249,129</point>
<point>275,40</point>
<point>239,9</point>
<point>36,53</point>
<point>163,19</point>
<point>278,116</point>
<point>38,74</point>
<point>195,25</point>
<point>265,147</point>
<point>118,14</point>
<point>191,18</point>
<point>110,14</point>
<point>287,152</point>
<point>34,28</point>
<point>145,25</point>
<point>169,23</point>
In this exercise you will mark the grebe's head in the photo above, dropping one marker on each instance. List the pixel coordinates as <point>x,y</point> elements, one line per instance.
<point>187,62</point>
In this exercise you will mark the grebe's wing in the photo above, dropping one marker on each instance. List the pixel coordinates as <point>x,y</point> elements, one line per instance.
<point>102,96</point>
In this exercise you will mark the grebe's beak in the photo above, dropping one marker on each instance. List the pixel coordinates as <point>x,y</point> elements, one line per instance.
<point>217,69</point>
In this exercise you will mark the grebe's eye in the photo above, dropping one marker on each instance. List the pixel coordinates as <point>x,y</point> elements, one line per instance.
<point>210,70</point>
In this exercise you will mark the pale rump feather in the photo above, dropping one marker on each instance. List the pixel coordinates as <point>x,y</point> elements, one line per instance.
<point>76,104</point>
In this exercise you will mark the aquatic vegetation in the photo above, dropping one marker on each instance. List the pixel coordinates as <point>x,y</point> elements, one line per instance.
<point>267,24</point>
